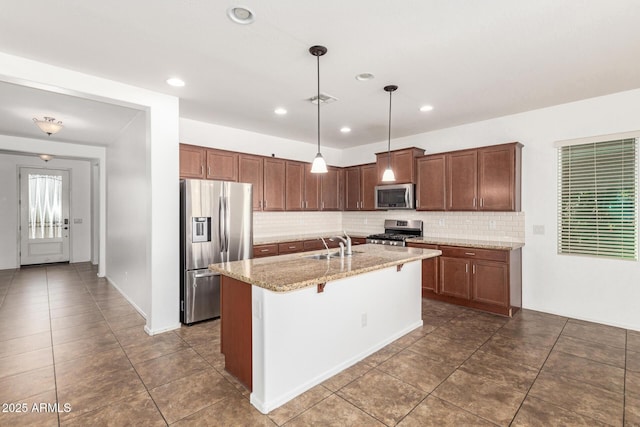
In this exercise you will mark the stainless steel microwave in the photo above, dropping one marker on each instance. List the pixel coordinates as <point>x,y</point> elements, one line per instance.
<point>395,196</point>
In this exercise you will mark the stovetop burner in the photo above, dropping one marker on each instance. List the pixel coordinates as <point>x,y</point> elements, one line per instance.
<point>390,236</point>
<point>396,232</point>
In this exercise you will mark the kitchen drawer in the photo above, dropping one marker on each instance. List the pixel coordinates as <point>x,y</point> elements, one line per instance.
<point>474,253</point>
<point>265,250</point>
<point>316,244</point>
<point>290,247</point>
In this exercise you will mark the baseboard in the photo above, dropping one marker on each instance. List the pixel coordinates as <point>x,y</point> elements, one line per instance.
<point>159,331</point>
<point>138,309</point>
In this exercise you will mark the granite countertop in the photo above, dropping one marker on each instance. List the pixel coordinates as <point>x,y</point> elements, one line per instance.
<point>471,243</point>
<point>298,237</point>
<point>285,273</point>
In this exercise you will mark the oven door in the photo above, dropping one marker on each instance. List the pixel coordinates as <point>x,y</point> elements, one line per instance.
<point>398,196</point>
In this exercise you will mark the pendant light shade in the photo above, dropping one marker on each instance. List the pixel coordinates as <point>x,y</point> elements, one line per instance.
<point>319,165</point>
<point>388,175</point>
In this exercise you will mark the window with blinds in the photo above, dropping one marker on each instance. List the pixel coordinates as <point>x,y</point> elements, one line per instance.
<point>598,198</point>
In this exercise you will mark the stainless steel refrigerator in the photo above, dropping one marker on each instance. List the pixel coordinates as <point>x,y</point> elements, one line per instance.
<point>216,220</point>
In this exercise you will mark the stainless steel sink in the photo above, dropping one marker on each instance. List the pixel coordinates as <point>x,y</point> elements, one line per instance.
<point>328,255</point>
<point>324,256</point>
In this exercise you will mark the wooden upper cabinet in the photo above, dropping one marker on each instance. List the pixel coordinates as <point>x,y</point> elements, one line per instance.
<point>222,165</point>
<point>359,187</point>
<point>499,177</point>
<point>250,170</point>
<point>431,179</point>
<point>192,161</point>
<point>331,190</point>
<point>294,185</point>
<point>369,175</point>
<point>402,164</point>
<point>274,184</point>
<point>311,189</point>
<point>352,188</point>
<point>462,180</point>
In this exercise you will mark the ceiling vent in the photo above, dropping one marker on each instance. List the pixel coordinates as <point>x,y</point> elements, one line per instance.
<point>324,99</point>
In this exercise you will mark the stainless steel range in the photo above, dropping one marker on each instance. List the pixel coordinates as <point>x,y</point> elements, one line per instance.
<point>396,232</point>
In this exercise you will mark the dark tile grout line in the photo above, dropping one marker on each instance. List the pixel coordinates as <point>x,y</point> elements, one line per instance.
<point>53,356</point>
<point>539,371</point>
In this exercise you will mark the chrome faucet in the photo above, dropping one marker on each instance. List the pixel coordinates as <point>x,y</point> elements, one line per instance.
<point>346,241</point>
<point>325,246</point>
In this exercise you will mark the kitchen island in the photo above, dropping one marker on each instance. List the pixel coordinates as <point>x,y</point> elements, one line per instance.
<point>290,322</point>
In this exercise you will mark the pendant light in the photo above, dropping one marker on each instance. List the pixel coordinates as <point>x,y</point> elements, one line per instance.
<point>388,175</point>
<point>318,165</point>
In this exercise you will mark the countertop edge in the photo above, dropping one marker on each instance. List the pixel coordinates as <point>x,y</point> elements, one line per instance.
<point>323,279</point>
<point>479,244</point>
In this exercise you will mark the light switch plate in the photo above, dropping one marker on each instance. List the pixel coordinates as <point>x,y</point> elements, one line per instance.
<point>77,220</point>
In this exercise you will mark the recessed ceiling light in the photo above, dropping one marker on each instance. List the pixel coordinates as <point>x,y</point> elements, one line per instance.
<point>280,111</point>
<point>345,129</point>
<point>176,82</point>
<point>426,108</point>
<point>240,15</point>
<point>363,77</point>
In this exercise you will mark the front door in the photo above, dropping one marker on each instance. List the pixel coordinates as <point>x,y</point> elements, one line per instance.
<point>44,216</point>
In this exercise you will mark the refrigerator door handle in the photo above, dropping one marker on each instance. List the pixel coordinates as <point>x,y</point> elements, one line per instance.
<point>227,214</point>
<point>221,223</point>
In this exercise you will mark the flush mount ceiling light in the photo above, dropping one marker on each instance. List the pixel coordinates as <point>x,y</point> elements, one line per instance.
<point>241,15</point>
<point>345,129</point>
<point>363,77</point>
<point>388,175</point>
<point>45,157</point>
<point>280,111</point>
<point>318,165</point>
<point>48,125</point>
<point>175,82</point>
<point>426,108</point>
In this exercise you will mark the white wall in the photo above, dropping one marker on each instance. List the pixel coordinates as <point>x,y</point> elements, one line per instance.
<point>79,205</point>
<point>601,290</point>
<point>128,215</point>
<point>226,138</point>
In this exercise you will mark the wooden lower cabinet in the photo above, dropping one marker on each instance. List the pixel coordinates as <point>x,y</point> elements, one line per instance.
<point>294,246</point>
<point>485,279</point>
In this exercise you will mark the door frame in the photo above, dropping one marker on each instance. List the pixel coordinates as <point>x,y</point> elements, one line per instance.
<point>19,207</point>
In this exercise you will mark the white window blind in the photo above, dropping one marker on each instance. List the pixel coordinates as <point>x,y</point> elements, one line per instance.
<point>598,199</point>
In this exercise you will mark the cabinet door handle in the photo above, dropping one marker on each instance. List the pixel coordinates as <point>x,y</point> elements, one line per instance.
<point>474,269</point>
<point>466,268</point>
<point>474,202</point>
<point>259,203</point>
<point>481,201</point>
<point>470,253</point>
<point>201,169</point>
<point>264,250</point>
<point>306,204</point>
<point>292,247</point>
<point>208,170</point>
<point>322,207</point>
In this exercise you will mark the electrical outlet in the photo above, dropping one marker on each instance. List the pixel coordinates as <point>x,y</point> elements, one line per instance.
<point>538,229</point>
<point>363,320</point>
<point>441,222</point>
<point>492,224</point>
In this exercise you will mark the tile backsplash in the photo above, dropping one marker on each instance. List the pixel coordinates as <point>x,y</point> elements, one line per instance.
<point>278,224</point>
<point>499,226</point>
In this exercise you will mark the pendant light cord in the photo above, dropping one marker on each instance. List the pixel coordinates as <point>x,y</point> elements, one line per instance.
<point>389,140</point>
<point>318,60</point>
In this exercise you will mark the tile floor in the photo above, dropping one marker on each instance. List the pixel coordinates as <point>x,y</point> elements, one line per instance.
<point>67,336</point>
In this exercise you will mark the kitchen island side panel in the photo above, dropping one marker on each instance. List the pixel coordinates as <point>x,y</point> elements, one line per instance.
<point>304,337</point>
<point>236,329</point>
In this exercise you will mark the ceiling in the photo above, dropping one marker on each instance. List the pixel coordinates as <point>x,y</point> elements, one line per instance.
<point>470,60</point>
